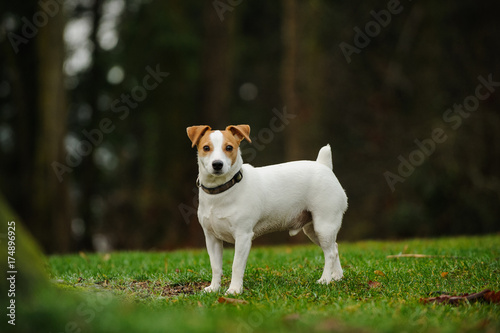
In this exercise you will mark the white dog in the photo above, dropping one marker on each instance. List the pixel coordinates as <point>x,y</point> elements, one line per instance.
<point>238,202</point>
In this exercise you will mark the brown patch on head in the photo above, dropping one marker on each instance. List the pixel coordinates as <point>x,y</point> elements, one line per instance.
<point>205,145</point>
<point>231,139</point>
<point>233,135</point>
<point>230,145</point>
<point>195,133</point>
<point>240,132</point>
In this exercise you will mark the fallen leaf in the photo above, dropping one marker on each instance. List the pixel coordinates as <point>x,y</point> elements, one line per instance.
<point>485,295</point>
<point>493,297</point>
<point>231,300</point>
<point>374,284</point>
<point>444,274</point>
<point>106,257</point>
<point>377,272</point>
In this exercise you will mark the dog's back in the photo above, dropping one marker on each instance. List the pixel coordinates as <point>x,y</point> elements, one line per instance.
<point>289,195</point>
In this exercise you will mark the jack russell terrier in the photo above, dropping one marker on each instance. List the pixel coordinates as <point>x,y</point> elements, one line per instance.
<point>238,203</point>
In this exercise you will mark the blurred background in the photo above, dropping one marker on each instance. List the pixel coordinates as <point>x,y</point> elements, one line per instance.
<point>95,97</point>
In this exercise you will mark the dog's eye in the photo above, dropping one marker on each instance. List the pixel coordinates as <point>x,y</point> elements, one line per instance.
<point>229,148</point>
<point>206,148</point>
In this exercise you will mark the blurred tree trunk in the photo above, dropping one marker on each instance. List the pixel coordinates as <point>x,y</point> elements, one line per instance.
<point>51,220</point>
<point>302,76</point>
<point>89,172</point>
<point>302,81</point>
<point>217,66</point>
<point>24,127</point>
<point>289,75</point>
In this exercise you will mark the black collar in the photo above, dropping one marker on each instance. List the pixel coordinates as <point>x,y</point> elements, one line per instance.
<point>224,187</point>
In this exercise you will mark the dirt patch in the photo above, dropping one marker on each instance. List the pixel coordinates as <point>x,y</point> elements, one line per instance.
<point>166,290</point>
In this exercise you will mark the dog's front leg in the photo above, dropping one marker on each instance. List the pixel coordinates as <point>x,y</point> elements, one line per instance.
<point>242,245</point>
<point>214,248</point>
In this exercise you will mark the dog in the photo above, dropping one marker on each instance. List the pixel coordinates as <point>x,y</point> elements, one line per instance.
<point>239,202</point>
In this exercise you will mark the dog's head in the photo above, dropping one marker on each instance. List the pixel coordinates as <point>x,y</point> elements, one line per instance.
<point>218,151</point>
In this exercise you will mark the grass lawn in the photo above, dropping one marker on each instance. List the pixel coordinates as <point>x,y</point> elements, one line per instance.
<point>160,292</point>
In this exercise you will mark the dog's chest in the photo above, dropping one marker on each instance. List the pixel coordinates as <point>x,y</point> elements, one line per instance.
<point>218,220</point>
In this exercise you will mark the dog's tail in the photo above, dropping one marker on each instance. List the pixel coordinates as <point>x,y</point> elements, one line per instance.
<point>325,156</point>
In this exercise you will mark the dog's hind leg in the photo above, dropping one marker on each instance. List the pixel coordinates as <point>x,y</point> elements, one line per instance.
<point>338,274</point>
<point>326,234</point>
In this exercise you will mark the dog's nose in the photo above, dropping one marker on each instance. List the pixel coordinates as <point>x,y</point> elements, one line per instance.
<point>217,165</point>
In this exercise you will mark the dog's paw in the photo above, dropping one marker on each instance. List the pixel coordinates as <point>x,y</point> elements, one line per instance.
<point>337,276</point>
<point>234,291</point>
<point>211,289</point>
<point>323,280</point>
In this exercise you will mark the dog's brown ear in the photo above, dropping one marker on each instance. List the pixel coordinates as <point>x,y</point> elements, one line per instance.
<point>240,132</point>
<point>196,132</point>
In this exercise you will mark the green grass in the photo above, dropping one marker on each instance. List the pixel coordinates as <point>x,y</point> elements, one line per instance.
<point>160,292</point>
